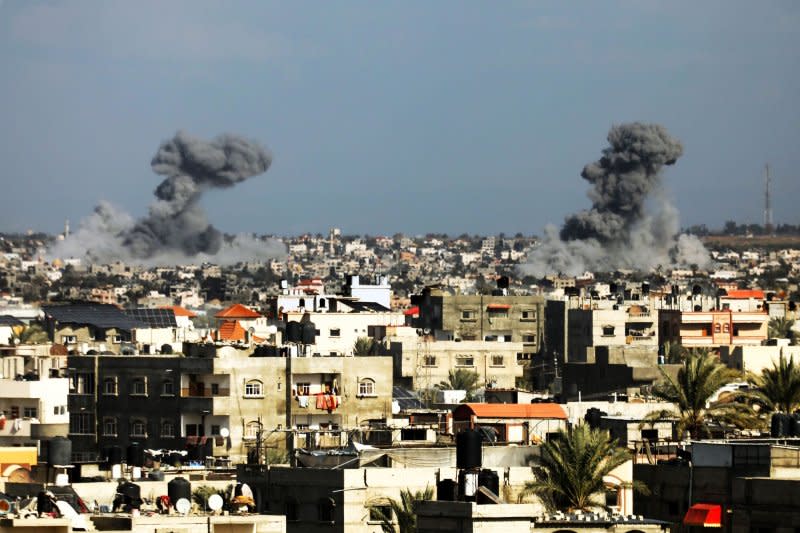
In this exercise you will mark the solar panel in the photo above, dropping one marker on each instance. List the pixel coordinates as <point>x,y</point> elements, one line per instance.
<point>93,314</point>
<point>156,318</point>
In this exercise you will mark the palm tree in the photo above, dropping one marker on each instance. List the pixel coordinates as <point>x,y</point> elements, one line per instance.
<point>403,511</point>
<point>461,379</point>
<point>700,376</point>
<point>570,474</point>
<point>363,346</point>
<point>781,328</point>
<point>674,352</point>
<point>779,386</point>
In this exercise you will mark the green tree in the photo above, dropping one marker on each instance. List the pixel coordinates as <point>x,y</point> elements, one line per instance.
<point>32,334</point>
<point>698,379</point>
<point>781,328</point>
<point>570,474</point>
<point>779,386</point>
<point>402,517</point>
<point>363,346</point>
<point>461,379</point>
<point>674,352</point>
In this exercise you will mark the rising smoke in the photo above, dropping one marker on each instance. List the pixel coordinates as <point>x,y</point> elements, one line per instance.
<point>631,224</point>
<point>176,228</point>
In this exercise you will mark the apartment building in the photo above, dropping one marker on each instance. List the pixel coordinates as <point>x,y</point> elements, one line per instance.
<point>714,328</point>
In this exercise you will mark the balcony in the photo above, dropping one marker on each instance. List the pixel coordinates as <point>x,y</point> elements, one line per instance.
<point>16,428</point>
<point>202,392</point>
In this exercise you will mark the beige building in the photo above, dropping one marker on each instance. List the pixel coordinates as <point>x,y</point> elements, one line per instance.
<point>425,361</point>
<point>591,326</point>
<point>756,358</point>
<point>313,400</point>
<point>712,329</point>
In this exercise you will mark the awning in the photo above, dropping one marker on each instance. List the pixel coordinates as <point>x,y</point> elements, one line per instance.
<point>498,306</point>
<point>704,515</point>
<point>414,311</point>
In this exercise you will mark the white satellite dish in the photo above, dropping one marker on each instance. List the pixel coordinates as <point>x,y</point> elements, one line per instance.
<point>183,505</point>
<point>224,433</point>
<point>215,502</point>
<point>246,491</point>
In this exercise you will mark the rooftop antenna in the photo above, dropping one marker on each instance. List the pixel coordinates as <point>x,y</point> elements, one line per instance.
<point>767,201</point>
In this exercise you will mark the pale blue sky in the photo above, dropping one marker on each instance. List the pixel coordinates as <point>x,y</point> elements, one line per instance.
<point>391,117</point>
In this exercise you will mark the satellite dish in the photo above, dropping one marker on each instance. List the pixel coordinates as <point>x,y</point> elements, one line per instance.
<point>215,502</point>
<point>77,521</point>
<point>183,505</point>
<point>5,506</point>
<point>246,491</point>
<point>224,433</point>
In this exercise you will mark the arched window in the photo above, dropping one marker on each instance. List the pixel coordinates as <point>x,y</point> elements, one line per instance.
<point>322,303</point>
<point>167,429</point>
<point>168,387</point>
<point>109,426</point>
<point>138,427</point>
<point>139,386</point>
<point>251,430</point>
<point>254,389</point>
<point>301,303</point>
<point>366,387</point>
<point>110,386</point>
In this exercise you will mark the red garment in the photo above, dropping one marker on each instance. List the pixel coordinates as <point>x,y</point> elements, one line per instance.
<point>320,401</point>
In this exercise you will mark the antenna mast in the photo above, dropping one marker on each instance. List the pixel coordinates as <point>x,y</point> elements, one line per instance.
<point>767,201</point>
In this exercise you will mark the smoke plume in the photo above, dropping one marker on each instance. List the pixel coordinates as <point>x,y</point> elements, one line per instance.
<point>176,228</point>
<point>631,224</point>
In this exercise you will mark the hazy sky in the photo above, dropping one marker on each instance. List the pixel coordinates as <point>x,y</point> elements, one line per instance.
<point>389,117</point>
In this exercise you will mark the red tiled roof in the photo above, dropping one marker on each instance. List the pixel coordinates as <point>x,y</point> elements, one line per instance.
<point>510,410</point>
<point>179,311</point>
<point>238,311</point>
<point>231,330</point>
<point>498,306</point>
<point>746,293</point>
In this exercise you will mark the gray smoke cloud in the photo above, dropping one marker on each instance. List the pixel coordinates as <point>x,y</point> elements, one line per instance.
<point>631,224</point>
<point>176,228</point>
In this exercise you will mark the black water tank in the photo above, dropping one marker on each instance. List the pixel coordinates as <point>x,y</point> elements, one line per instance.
<point>174,459</point>
<point>114,455</point>
<point>309,333</point>
<point>447,490</point>
<point>59,451</point>
<point>468,449</point>
<point>795,426</point>
<point>179,488</point>
<point>135,455</point>
<point>488,478</point>
<point>131,493</point>
<point>780,425</point>
<point>294,331</point>
<point>593,416</point>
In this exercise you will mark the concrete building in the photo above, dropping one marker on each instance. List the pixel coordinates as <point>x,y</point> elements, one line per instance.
<point>511,423</point>
<point>712,329</point>
<point>756,358</point>
<point>740,486</point>
<point>32,410</point>
<point>491,318</point>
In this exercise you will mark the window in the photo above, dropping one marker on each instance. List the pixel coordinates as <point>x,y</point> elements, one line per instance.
<point>377,513</point>
<point>429,360</point>
<point>110,386</point>
<point>168,388</point>
<point>69,339</point>
<point>59,409</point>
<point>109,426</point>
<point>726,328</point>
<point>303,389</point>
<point>336,332</point>
<point>14,411</point>
<point>30,412</point>
<point>138,428</point>
<point>529,337</point>
<point>116,339</point>
<point>83,383</point>
<point>253,389</point>
<point>291,511</point>
<point>215,429</point>
<point>717,328</point>
<point>139,386</point>
<point>465,360</point>
<point>167,429</point>
<point>498,313</point>
<point>81,423</point>
<point>366,387</point>
<point>497,360</point>
<point>468,314</point>
<point>608,331</point>
<point>326,510</point>
<point>214,389</point>
<point>528,314</point>
<point>251,430</point>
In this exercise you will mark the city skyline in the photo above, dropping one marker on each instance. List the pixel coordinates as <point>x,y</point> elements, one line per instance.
<point>447,118</point>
